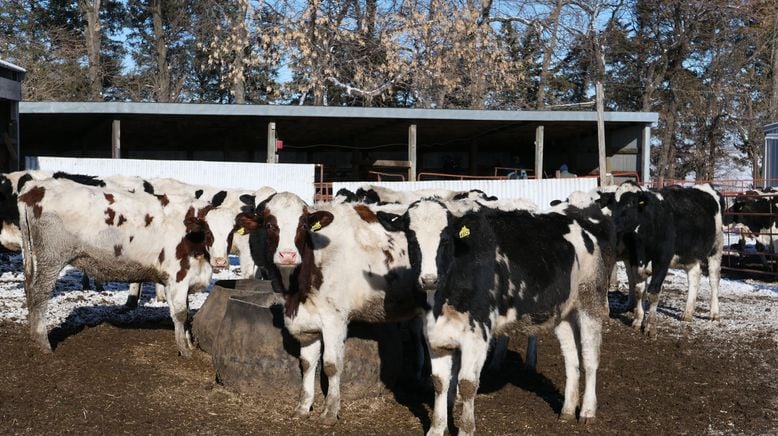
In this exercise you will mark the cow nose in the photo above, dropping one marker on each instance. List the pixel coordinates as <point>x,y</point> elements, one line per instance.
<point>220,262</point>
<point>429,281</point>
<point>287,257</point>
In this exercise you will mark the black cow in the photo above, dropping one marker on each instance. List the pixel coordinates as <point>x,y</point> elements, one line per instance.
<point>501,268</point>
<point>755,213</point>
<point>674,227</point>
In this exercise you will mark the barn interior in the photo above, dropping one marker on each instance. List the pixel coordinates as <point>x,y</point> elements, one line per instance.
<point>349,142</point>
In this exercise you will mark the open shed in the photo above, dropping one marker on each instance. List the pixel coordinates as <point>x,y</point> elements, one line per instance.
<point>347,141</point>
<point>11,77</point>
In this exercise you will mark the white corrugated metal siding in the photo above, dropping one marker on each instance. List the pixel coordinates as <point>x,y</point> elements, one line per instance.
<point>541,192</point>
<point>297,178</point>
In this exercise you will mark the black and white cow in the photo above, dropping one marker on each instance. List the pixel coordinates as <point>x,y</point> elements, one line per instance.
<point>674,227</point>
<point>754,212</point>
<point>489,270</point>
<point>112,235</point>
<point>333,264</point>
<point>372,194</point>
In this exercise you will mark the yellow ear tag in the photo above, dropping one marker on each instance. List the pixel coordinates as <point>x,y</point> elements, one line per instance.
<point>316,226</point>
<point>464,232</point>
<point>241,231</point>
<point>642,203</point>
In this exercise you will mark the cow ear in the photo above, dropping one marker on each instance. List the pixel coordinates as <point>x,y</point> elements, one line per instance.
<point>555,202</point>
<point>319,219</point>
<point>391,221</point>
<point>247,222</point>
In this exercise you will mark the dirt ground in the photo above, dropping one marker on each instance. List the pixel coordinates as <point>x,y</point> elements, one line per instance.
<point>112,379</point>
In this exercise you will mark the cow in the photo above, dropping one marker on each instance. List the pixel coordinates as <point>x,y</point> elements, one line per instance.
<point>754,212</point>
<point>674,227</point>
<point>333,264</point>
<point>372,194</point>
<point>488,270</point>
<point>112,235</point>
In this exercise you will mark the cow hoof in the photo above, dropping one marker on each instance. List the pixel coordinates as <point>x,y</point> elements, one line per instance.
<point>300,413</point>
<point>715,317</point>
<point>328,420</point>
<point>586,420</point>
<point>637,324</point>
<point>650,332</point>
<point>687,317</point>
<point>567,417</point>
<point>132,302</point>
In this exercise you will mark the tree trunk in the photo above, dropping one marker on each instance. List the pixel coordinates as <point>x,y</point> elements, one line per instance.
<point>92,36</point>
<point>547,53</point>
<point>241,33</point>
<point>666,154</point>
<point>162,92</point>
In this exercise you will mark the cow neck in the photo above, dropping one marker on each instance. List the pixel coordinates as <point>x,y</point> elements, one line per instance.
<point>296,283</point>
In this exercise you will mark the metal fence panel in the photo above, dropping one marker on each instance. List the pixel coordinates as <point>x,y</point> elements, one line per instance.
<point>297,178</point>
<point>541,192</point>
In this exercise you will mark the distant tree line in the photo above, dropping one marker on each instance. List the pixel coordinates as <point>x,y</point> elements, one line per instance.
<point>709,67</point>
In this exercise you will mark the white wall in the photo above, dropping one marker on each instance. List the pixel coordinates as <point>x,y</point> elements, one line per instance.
<point>297,178</point>
<point>541,192</point>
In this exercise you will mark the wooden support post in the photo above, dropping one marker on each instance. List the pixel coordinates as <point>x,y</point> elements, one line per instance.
<point>116,139</point>
<point>539,152</point>
<point>601,132</point>
<point>646,154</point>
<point>412,152</point>
<point>271,143</point>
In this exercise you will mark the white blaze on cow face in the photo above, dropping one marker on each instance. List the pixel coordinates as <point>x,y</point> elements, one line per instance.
<point>221,222</point>
<point>282,219</point>
<point>428,219</point>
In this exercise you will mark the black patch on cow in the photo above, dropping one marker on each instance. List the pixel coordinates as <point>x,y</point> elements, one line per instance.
<point>148,187</point>
<point>218,198</point>
<point>22,180</point>
<point>368,197</point>
<point>9,212</point>
<point>198,193</point>
<point>80,179</point>
<point>131,238</point>
<point>249,202</point>
<point>348,196</point>
<point>117,250</point>
<point>588,242</point>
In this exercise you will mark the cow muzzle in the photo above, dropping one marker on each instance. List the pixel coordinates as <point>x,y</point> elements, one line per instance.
<point>287,257</point>
<point>429,282</point>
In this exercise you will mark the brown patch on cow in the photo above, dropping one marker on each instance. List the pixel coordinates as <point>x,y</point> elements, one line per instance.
<point>161,256</point>
<point>109,197</point>
<point>365,213</point>
<point>388,258</point>
<point>304,364</point>
<point>163,200</point>
<point>131,238</point>
<point>32,198</point>
<point>467,389</point>
<point>449,312</point>
<point>330,369</point>
<point>194,243</point>
<point>121,221</point>
<point>110,214</point>
<point>437,383</point>
<point>117,250</point>
<point>148,219</point>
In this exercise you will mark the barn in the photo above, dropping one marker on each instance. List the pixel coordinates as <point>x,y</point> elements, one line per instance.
<point>11,77</point>
<point>351,143</point>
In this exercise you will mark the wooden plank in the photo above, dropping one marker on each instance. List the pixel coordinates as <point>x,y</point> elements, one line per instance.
<point>116,139</point>
<point>392,163</point>
<point>412,151</point>
<point>539,152</point>
<point>271,143</point>
<point>10,89</point>
<point>601,132</point>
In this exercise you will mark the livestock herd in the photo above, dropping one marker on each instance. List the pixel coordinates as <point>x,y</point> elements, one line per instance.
<point>468,265</point>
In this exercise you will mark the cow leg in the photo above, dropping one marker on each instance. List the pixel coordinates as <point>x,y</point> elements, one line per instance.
<point>177,297</point>
<point>638,311</point>
<point>334,338</point>
<point>309,360</point>
<point>416,331</point>
<point>37,288</point>
<point>133,296</point>
<point>566,333</point>
<point>531,361</point>
<point>499,351</point>
<point>714,275</point>
<point>160,291</point>
<point>632,282</point>
<point>99,286</point>
<point>85,285</point>
<point>591,338</point>
<point>693,277</point>
<point>441,362</point>
<point>473,356</point>
<point>654,289</point>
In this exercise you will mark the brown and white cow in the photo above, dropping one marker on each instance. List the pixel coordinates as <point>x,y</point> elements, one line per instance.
<point>333,264</point>
<point>112,235</point>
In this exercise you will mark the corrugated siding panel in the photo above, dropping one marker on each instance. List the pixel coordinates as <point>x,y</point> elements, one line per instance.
<point>541,192</point>
<point>297,178</point>
<point>771,160</point>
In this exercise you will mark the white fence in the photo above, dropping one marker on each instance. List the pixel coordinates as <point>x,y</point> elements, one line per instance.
<point>297,178</point>
<point>541,192</point>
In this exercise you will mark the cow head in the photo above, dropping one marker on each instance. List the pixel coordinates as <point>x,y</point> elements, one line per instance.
<point>285,224</point>
<point>424,224</point>
<point>198,232</point>
<point>221,222</point>
<point>752,210</point>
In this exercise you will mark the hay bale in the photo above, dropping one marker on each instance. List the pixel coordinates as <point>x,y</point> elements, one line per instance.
<point>205,324</point>
<point>254,353</point>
